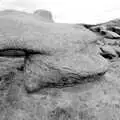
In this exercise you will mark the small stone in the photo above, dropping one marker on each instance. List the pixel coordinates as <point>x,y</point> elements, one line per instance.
<point>108,50</point>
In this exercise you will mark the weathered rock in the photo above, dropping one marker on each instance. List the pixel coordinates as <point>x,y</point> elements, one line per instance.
<point>109,29</point>
<point>112,35</point>
<point>66,53</point>
<point>45,14</point>
<point>108,50</point>
<point>58,72</point>
<point>110,43</point>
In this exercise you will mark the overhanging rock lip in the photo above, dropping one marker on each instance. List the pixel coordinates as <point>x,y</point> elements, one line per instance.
<point>87,74</point>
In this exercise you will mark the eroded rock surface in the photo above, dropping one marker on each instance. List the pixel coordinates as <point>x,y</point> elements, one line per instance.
<point>110,43</point>
<point>53,71</point>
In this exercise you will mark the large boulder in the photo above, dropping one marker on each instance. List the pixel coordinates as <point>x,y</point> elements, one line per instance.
<point>53,71</point>
<point>45,14</point>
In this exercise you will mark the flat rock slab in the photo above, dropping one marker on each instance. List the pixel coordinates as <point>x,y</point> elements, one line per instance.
<point>54,47</point>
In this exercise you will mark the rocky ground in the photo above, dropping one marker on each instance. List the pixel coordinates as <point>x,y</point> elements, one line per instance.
<point>94,96</point>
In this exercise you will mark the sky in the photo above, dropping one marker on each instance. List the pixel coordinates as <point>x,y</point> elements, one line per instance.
<point>70,11</point>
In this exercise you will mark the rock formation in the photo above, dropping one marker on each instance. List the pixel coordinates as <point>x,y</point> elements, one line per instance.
<point>55,71</point>
<point>45,14</point>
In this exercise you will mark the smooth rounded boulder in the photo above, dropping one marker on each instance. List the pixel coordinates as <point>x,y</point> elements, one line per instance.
<point>45,14</point>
